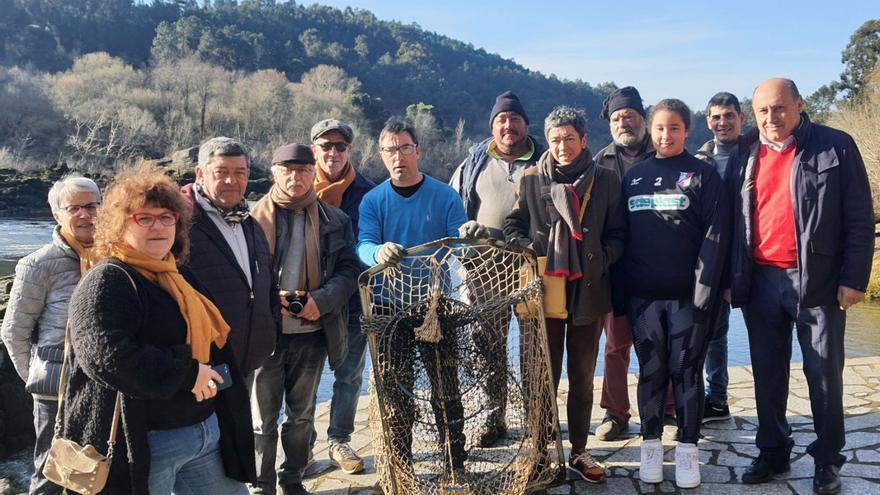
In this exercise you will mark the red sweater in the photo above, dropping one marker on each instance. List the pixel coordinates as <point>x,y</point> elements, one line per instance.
<point>775,236</point>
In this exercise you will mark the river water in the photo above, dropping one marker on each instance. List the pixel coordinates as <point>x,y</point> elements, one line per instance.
<point>19,237</point>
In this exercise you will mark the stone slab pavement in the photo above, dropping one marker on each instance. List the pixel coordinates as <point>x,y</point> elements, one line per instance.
<point>726,449</point>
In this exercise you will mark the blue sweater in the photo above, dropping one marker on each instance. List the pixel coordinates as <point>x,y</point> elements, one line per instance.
<point>433,212</point>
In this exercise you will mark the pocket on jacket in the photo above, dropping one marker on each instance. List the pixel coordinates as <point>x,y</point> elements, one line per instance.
<point>44,372</point>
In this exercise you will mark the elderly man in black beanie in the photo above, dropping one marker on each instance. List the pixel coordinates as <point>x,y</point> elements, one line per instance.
<point>487,181</point>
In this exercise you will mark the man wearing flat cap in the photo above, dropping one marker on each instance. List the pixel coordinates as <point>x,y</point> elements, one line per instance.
<point>313,251</point>
<point>487,181</point>
<point>630,144</point>
<point>339,184</point>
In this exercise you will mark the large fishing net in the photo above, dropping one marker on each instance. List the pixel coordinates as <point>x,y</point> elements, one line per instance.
<point>459,348</point>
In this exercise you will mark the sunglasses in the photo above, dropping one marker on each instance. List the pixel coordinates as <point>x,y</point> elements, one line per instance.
<point>147,220</point>
<point>338,146</point>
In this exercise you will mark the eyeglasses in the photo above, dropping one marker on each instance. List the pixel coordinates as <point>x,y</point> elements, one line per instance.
<point>339,146</point>
<point>404,149</point>
<point>91,208</point>
<point>147,220</point>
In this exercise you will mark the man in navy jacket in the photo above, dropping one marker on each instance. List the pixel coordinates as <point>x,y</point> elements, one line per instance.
<point>801,255</point>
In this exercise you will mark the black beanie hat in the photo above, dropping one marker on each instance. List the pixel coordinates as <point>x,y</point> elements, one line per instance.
<point>507,102</point>
<point>626,97</point>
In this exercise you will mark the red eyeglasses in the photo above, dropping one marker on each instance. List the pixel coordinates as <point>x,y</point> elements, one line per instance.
<point>147,220</point>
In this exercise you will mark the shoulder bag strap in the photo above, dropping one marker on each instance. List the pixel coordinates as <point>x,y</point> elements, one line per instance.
<point>117,408</point>
<point>586,199</point>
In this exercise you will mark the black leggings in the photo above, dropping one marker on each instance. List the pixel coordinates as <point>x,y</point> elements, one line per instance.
<point>669,346</point>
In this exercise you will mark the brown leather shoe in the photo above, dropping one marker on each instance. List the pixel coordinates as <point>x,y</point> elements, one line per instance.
<point>587,468</point>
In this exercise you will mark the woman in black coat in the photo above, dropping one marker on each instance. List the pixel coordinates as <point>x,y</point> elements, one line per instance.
<point>139,327</point>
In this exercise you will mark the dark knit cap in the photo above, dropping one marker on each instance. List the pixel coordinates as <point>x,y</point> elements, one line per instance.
<point>626,97</point>
<point>293,153</point>
<point>507,102</point>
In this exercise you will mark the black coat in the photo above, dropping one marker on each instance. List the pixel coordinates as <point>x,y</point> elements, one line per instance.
<point>119,341</point>
<point>833,211</point>
<point>253,314</point>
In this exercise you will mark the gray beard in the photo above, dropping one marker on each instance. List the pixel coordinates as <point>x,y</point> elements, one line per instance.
<point>631,140</point>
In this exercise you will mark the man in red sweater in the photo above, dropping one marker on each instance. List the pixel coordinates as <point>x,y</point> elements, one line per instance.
<point>801,256</point>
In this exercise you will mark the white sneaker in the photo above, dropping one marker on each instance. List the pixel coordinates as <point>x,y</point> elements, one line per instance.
<point>651,461</point>
<point>687,465</point>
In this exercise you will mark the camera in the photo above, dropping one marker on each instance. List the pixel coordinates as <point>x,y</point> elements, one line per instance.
<point>295,303</point>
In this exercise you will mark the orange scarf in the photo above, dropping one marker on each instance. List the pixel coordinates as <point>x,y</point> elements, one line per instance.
<point>85,253</point>
<point>204,323</point>
<point>331,192</point>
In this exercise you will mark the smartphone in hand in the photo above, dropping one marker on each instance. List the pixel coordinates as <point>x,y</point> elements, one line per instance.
<point>223,371</point>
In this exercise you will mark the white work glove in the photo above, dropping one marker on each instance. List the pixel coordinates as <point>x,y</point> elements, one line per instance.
<point>390,253</point>
<point>472,230</point>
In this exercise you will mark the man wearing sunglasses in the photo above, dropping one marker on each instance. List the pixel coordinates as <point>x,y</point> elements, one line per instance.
<point>338,183</point>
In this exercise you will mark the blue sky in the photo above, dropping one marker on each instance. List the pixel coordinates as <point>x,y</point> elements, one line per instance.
<point>687,50</point>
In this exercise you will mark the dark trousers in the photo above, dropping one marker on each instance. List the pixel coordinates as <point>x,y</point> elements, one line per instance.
<point>398,351</point>
<point>44,424</point>
<point>669,346</point>
<point>771,311</point>
<point>582,344</point>
<point>292,374</point>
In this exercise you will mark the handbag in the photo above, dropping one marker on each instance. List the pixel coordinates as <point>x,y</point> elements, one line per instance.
<point>70,465</point>
<point>555,299</point>
<point>44,370</point>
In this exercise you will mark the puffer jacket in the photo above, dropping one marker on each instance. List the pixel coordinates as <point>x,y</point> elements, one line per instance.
<point>36,316</point>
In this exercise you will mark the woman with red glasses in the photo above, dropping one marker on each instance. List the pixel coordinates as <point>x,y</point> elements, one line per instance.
<point>139,327</point>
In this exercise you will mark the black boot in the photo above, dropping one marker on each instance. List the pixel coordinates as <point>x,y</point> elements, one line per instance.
<point>826,479</point>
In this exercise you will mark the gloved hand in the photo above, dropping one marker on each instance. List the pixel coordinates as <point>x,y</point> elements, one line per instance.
<point>390,253</point>
<point>472,230</point>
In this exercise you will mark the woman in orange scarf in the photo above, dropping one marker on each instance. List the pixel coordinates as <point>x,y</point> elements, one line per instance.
<point>140,327</point>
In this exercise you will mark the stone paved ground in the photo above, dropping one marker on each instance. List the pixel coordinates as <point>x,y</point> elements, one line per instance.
<point>725,451</point>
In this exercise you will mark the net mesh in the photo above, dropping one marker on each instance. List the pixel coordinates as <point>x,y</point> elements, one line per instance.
<point>459,351</point>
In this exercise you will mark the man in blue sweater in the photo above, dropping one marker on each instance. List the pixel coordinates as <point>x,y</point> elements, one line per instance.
<point>409,209</point>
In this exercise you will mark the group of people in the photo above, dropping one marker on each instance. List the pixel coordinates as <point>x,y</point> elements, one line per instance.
<point>209,316</point>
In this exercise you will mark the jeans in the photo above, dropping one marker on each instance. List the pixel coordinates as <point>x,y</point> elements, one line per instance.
<point>770,313</point>
<point>347,385</point>
<point>44,425</point>
<point>186,461</point>
<point>291,373</point>
<point>716,359</point>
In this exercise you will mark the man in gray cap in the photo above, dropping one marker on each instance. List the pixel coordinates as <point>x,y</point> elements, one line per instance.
<point>312,245</point>
<point>339,184</point>
<point>487,181</point>
<point>631,143</point>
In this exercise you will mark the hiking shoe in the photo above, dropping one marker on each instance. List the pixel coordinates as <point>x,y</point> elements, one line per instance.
<point>651,461</point>
<point>713,411</point>
<point>687,465</point>
<point>670,429</point>
<point>587,468</point>
<point>343,456</point>
<point>611,428</point>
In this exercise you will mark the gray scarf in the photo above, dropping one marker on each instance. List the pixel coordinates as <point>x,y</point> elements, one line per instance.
<point>563,191</point>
